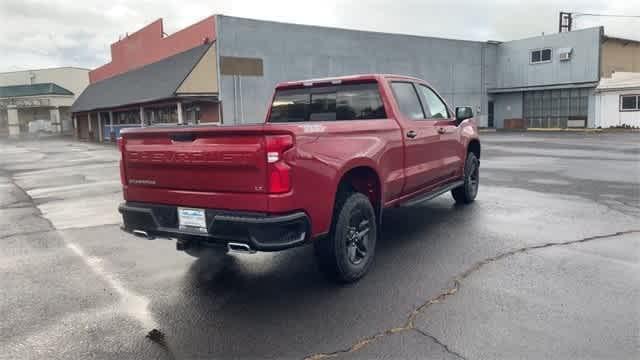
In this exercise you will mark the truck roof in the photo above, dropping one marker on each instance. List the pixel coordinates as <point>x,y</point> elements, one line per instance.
<point>340,79</point>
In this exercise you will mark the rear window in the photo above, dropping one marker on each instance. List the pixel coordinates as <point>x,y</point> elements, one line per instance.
<point>330,103</point>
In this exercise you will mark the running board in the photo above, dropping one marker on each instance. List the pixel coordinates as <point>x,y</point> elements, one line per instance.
<point>433,194</point>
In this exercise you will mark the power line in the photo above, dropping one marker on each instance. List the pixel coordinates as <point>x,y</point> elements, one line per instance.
<point>567,19</point>
<point>606,15</point>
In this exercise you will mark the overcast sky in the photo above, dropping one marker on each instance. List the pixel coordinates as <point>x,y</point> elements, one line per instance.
<point>48,33</point>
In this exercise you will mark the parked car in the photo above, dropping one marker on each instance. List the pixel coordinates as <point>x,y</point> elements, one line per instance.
<point>332,155</point>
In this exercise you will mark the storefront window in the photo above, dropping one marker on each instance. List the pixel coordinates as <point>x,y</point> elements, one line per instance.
<point>164,115</point>
<point>126,118</point>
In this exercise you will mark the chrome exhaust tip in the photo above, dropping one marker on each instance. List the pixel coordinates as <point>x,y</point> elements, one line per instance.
<point>143,234</point>
<point>240,248</point>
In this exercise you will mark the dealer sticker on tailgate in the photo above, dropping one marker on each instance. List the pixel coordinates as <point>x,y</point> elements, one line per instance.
<point>192,219</point>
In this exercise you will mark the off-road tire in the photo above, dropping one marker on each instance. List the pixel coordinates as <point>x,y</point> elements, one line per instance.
<point>466,193</point>
<point>341,255</point>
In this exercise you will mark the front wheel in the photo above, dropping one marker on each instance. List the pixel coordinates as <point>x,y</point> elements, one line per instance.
<point>466,193</point>
<point>347,253</point>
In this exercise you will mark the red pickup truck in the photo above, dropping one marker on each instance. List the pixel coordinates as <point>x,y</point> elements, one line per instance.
<point>331,156</point>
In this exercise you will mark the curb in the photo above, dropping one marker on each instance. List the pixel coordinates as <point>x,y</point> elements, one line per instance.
<point>559,130</point>
<point>563,130</point>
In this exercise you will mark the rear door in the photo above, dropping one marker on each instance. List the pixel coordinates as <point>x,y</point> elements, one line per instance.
<point>422,160</point>
<point>449,147</point>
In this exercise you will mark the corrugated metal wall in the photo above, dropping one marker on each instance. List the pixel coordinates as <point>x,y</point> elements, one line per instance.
<point>294,52</point>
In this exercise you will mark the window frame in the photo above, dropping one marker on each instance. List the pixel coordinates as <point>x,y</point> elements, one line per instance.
<point>395,96</point>
<point>637,108</point>
<point>420,97</point>
<point>531,62</point>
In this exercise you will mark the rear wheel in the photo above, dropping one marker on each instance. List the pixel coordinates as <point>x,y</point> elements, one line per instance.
<point>466,193</point>
<point>346,254</point>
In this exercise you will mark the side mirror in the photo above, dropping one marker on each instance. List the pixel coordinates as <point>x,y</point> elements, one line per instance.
<point>463,113</point>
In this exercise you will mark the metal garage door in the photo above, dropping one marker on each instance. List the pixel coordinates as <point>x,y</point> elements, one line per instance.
<point>556,108</point>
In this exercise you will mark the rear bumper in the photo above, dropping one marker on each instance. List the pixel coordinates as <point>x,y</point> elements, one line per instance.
<point>262,232</point>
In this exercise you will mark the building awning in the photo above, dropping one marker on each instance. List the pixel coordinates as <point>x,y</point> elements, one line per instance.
<point>154,82</point>
<point>33,90</point>
<point>544,87</point>
<point>620,81</point>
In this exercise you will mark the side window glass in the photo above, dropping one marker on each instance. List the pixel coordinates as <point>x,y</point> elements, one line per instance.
<point>407,100</point>
<point>359,102</point>
<point>434,107</point>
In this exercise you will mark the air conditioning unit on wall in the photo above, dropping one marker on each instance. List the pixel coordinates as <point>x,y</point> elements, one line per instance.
<point>565,54</point>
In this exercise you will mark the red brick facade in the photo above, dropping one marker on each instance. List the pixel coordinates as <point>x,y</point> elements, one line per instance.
<point>148,45</point>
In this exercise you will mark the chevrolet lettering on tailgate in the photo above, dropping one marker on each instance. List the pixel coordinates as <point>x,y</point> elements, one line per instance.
<point>191,157</point>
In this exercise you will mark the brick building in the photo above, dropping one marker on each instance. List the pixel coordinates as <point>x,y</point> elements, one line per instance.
<point>151,79</point>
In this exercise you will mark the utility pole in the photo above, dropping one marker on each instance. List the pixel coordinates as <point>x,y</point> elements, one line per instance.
<point>565,22</point>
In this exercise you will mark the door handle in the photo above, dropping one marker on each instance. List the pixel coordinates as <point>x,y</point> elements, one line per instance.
<point>411,134</point>
<point>442,130</point>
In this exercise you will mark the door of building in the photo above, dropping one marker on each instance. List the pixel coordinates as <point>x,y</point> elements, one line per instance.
<point>490,114</point>
<point>83,127</point>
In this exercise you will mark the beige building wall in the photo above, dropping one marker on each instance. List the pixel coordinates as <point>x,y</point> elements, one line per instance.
<point>619,55</point>
<point>70,78</point>
<point>203,78</point>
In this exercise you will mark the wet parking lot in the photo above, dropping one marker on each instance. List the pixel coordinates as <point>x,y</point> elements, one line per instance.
<point>545,264</point>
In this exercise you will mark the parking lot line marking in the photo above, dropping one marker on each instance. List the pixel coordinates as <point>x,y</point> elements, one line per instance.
<point>134,305</point>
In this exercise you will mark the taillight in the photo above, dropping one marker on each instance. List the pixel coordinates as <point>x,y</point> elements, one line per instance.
<point>279,178</point>
<point>123,177</point>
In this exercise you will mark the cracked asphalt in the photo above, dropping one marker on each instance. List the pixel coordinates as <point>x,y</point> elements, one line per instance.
<point>545,264</point>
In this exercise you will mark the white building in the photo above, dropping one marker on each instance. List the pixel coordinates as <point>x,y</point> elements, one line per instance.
<point>41,99</point>
<point>618,100</point>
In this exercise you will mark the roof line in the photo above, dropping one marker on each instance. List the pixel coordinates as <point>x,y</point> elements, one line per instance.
<point>607,37</point>
<point>150,82</point>
<point>140,29</point>
<point>555,33</point>
<point>607,89</point>
<point>145,65</point>
<point>351,29</point>
<point>36,95</point>
<point>543,87</point>
<point>46,68</point>
<point>53,89</point>
<point>40,83</point>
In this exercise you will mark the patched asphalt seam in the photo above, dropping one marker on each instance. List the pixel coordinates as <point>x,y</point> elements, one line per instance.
<point>26,233</point>
<point>437,341</point>
<point>450,291</point>
<point>29,200</point>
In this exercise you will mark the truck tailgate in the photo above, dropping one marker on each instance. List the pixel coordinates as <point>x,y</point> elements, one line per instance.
<point>203,160</point>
